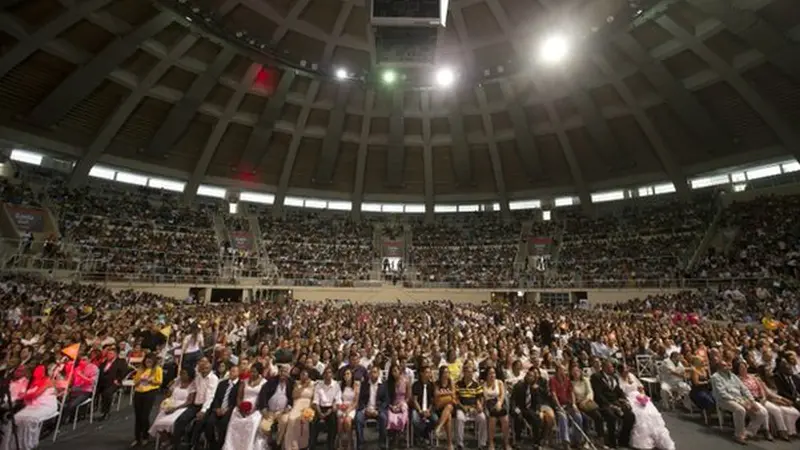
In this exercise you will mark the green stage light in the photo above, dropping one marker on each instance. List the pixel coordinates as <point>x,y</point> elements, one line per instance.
<point>389,77</point>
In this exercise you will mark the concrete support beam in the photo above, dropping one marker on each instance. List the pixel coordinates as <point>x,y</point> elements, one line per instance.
<point>47,33</point>
<point>462,163</point>
<point>361,160</point>
<point>256,146</point>
<point>783,129</point>
<point>526,145</point>
<point>566,147</point>
<point>120,116</point>
<point>297,136</point>
<point>86,79</point>
<point>220,127</point>
<point>604,141</point>
<point>686,106</point>
<point>494,154</point>
<point>427,153</point>
<point>333,137</point>
<point>396,153</point>
<point>181,114</point>
<point>757,32</point>
<point>662,151</point>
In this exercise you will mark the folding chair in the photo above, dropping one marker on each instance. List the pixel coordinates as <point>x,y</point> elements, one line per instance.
<point>88,402</point>
<point>646,372</point>
<point>127,382</point>
<point>56,415</point>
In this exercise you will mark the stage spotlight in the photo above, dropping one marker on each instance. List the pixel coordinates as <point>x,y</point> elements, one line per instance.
<point>554,49</point>
<point>389,77</point>
<point>445,77</point>
<point>341,74</point>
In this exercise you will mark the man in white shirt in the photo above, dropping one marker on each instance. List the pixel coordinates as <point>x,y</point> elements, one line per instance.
<point>673,380</point>
<point>327,396</point>
<point>205,386</point>
<point>423,414</point>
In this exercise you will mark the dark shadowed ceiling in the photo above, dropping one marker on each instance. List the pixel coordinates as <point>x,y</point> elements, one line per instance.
<point>701,84</point>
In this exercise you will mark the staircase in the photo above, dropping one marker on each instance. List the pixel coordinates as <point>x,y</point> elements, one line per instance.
<point>220,230</point>
<point>522,248</point>
<point>410,270</point>
<point>709,238</point>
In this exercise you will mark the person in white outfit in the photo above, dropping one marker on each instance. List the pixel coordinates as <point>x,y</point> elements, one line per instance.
<point>243,429</point>
<point>781,412</point>
<point>673,380</point>
<point>180,397</point>
<point>649,431</point>
<point>40,404</point>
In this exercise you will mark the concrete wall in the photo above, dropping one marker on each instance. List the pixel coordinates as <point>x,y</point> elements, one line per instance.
<point>390,294</point>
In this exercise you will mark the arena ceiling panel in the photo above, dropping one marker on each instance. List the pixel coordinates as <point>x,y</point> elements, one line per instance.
<point>686,87</point>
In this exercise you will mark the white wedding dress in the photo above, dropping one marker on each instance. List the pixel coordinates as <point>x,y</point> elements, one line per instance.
<point>164,422</point>
<point>29,422</point>
<point>243,432</point>
<point>649,431</point>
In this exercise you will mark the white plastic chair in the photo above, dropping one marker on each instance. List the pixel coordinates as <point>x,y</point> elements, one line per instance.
<point>646,372</point>
<point>88,402</point>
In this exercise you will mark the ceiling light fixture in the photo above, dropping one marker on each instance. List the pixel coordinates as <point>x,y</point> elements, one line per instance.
<point>554,49</point>
<point>445,77</point>
<point>341,74</point>
<point>389,77</point>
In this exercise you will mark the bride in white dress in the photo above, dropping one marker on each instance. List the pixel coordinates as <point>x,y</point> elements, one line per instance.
<point>40,404</point>
<point>180,398</point>
<point>649,431</point>
<point>243,430</point>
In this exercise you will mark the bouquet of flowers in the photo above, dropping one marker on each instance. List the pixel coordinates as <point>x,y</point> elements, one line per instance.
<point>166,404</point>
<point>642,400</point>
<point>308,415</point>
<point>245,408</point>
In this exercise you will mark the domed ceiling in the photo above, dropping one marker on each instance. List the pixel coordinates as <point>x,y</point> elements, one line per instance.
<point>242,92</point>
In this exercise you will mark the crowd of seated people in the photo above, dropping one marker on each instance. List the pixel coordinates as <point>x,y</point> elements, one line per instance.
<point>137,233</point>
<point>313,246</point>
<point>244,375</point>
<point>739,304</point>
<point>765,241</point>
<point>18,193</point>
<point>475,249</point>
<point>640,243</point>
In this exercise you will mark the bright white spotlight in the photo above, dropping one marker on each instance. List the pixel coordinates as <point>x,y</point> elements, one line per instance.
<point>341,74</point>
<point>554,49</point>
<point>445,77</point>
<point>389,77</point>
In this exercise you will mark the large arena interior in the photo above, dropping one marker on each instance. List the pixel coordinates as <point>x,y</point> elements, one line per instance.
<point>374,224</point>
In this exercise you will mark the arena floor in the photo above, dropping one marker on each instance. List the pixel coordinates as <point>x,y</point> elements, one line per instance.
<point>115,433</point>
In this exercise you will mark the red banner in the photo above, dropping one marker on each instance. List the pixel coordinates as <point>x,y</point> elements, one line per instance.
<point>393,249</point>
<point>539,245</point>
<point>242,240</point>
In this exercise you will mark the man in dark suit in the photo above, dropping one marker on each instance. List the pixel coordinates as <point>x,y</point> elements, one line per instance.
<point>274,402</point>
<point>215,423</point>
<point>530,401</point>
<point>613,405</point>
<point>786,383</point>
<point>373,401</point>
<point>112,372</point>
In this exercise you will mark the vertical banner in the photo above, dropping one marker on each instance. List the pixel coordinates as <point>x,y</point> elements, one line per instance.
<point>393,248</point>
<point>26,219</point>
<point>539,250</point>
<point>242,240</point>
